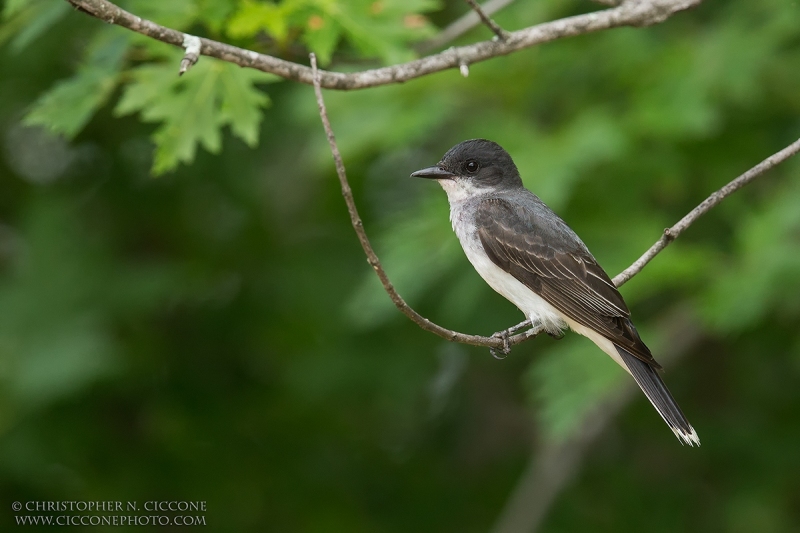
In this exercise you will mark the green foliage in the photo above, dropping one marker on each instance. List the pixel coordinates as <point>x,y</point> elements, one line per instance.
<point>377,28</point>
<point>417,254</point>
<point>52,340</point>
<point>55,304</point>
<point>175,14</point>
<point>215,13</point>
<point>193,108</point>
<point>70,104</point>
<point>27,20</point>
<point>568,383</point>
<point>252,17</point>
<point>12,7</point>
<point>769,245</point>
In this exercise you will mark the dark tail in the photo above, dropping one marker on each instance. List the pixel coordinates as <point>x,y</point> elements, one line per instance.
<point>656,391</point>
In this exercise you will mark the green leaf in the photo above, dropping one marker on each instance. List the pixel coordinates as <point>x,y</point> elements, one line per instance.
<point>188,118</point>
<point>36,20</point>
<point>13,7</point>
<point>215,13</point>
<point>68,106</point>
<point>185,107</point>
<point>253,17</point>
<point>176,14</point>
<point>70,103</point>
<point>381,28</point>
<point>385,28</point>
<point>240,99</point>
<point>322,36</point>
<point>193,108</point>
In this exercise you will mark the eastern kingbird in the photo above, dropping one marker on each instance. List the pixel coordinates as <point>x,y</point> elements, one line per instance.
<point>524,251</point>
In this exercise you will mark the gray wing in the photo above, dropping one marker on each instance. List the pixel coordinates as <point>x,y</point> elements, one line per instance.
<point>547,257</point>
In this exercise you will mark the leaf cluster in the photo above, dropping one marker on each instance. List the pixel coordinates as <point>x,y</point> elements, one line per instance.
<point>195,109</point>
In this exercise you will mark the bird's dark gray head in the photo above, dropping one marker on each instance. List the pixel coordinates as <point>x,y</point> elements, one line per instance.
<point>481,163</point>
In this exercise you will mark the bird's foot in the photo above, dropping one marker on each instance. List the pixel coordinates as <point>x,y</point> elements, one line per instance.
<point>506,349</point>
<point>505,335</point>
<point>557,336</point>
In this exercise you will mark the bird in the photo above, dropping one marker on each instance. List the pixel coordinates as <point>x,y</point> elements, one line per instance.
<point>529,255</point>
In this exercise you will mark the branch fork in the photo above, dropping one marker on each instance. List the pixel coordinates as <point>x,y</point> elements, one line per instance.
<point>499,32</point>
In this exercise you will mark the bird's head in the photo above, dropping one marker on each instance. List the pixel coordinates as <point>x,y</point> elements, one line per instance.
<point>476,166</point>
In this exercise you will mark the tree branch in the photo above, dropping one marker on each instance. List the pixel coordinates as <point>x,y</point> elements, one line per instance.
<point>492,25</point>
<point>670,234</point>
<point>630,13</point>
<point>462,25</point>
<point>372,258</point>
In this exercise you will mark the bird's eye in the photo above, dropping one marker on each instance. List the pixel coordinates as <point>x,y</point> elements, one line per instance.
<point>472,166</point>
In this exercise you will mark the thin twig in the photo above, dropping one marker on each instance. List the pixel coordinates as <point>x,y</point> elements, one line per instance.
<point>460,26</point>
<point>639,13</point>
<point>670,234</point>
<point>496,29</point>
<point>372,258</point>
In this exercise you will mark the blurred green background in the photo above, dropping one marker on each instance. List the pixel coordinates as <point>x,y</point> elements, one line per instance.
<point>215,333</point>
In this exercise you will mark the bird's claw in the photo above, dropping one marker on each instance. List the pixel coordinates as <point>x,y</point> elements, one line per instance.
<point>506,349</point>
<point>557,336</point>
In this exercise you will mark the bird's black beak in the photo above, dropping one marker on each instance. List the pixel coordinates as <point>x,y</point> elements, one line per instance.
<point>434,173</point>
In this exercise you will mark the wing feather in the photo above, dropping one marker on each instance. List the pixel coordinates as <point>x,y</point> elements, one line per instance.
<point>560,270</point>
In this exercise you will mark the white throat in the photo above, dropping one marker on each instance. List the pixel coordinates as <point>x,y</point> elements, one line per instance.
<point>459,190</point>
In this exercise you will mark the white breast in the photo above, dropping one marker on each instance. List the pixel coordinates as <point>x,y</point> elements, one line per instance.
<point>532,305</point>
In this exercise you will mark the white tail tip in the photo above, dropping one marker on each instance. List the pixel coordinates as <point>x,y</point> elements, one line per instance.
<point>689,438</point>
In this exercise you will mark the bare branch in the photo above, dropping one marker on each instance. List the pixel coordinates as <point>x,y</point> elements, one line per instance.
<point>497,30</point>
<point>372,258</point>
<point>461,26</point>
<point>632,13</point>
<point>670,234</point>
